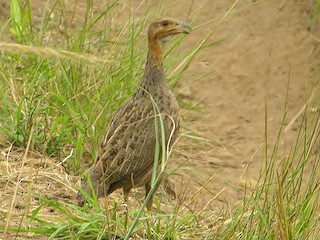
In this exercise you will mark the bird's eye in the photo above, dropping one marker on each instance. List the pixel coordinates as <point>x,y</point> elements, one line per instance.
<point>165,23</point>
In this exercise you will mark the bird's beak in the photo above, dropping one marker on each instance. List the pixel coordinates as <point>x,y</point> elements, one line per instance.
<point>184,28</point>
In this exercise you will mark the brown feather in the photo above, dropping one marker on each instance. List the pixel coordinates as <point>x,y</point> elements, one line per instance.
<point>126,155</point>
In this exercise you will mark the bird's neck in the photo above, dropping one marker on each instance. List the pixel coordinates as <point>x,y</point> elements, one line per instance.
<point>153,73</point>
<point>155,52</point>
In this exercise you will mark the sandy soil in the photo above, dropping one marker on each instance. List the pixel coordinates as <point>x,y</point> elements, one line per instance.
<point>267,49</point>
<point>269,46</point>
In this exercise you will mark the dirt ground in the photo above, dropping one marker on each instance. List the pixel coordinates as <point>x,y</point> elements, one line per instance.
<point>269,46</point>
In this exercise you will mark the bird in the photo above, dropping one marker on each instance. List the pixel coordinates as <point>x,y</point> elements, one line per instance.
<point>126,155</point>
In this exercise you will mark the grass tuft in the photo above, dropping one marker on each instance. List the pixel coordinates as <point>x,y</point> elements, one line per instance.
<point>285,202</point>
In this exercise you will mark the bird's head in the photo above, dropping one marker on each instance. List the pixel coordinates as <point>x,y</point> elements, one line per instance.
<point>160,31</point>
<point>164,28</point>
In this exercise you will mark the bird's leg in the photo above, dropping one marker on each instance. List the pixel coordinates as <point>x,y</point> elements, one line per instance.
<point>126,192</point>
<point>148,188</point>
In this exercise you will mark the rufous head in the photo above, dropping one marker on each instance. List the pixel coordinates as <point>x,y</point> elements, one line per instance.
<point>162,28</point>
<point>160,31</point>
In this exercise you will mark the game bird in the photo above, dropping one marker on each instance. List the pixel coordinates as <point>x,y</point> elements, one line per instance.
<point>126,155</point>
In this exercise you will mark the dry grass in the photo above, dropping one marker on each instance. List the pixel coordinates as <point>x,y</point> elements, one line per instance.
<point>47,52</point>
<point>39,177</point>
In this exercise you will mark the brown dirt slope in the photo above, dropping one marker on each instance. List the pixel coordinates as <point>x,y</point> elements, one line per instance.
<point>267,49</point>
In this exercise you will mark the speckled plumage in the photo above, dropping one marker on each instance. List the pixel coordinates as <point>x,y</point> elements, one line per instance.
<point>126,155</point>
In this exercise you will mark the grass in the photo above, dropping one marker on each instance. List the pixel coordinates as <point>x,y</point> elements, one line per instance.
<point>58,102</point>
<point>315,14</point>
<point>59,91</point>
<point>285,203</point>
<point>73,108</point>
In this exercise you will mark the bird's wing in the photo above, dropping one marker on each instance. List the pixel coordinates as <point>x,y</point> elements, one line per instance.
<point>128,148</point>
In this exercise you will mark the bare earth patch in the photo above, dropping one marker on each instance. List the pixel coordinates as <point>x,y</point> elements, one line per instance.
<point>267,49</point>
